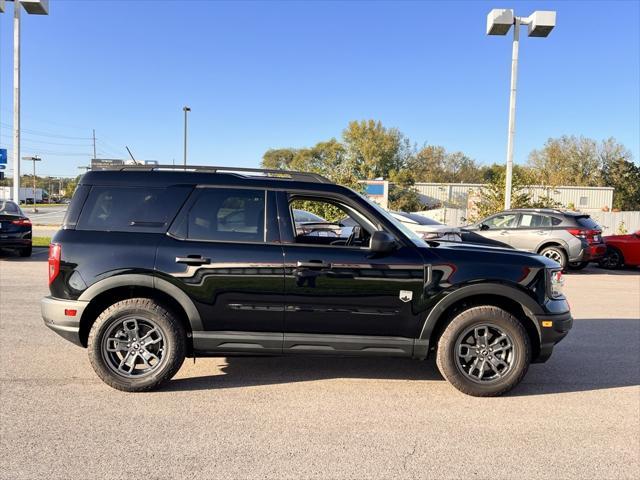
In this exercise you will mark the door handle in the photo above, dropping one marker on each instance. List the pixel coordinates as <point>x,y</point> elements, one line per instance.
<point>193,260</point>
<point>313,264</point>
<point>504,232</point>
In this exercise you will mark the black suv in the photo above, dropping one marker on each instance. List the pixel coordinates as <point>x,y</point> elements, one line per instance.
<point>154,264</point>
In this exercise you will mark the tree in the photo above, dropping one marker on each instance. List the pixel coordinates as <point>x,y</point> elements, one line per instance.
<point>402,193</point>
<point>432,163</point>
<point>494,190</point>
<point>374,151</point>
<point>624,177</point>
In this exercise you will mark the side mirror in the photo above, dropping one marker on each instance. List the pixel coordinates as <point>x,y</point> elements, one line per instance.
<point>382,242</point>
<point>484,227</point>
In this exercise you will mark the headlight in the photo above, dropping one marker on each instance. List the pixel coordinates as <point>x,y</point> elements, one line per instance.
<point>555,282</point>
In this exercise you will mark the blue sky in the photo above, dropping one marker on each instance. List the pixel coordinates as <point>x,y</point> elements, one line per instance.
<point>260,75</point>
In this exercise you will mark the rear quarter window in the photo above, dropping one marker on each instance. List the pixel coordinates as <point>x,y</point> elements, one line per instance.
<point>588,223</point>
<point>131,209</point>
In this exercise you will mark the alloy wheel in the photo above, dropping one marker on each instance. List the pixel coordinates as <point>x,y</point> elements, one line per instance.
<point>134,347</point>
<point>553,255</point>
<point>484,353</point>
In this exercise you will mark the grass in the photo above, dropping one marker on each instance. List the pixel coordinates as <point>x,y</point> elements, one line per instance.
<point>42,205</point>
<point>41,241</point>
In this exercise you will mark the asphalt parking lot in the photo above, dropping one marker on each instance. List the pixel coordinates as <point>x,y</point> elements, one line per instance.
<point>577,416</point>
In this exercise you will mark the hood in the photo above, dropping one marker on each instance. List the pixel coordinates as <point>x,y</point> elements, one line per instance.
<point>488,253</point>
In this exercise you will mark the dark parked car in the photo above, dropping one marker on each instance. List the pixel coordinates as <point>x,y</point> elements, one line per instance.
<point>154,264</point>
<point>572,239</point>
<point>15,228</point>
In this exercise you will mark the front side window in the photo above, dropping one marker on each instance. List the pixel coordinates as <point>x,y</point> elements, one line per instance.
<point>507,220</point>
<point>321,222</point>
<point>225,214</point>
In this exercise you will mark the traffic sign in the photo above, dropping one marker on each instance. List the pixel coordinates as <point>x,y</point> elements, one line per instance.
<point>3,155</point>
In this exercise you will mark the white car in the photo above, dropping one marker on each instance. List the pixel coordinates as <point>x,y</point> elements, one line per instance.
<point>428,228</point>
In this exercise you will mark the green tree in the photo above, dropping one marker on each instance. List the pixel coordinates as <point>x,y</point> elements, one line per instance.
<point>432,163</point>
<point>494,190</point>
<point>373,151</point>
<point>402,192</point>
<point>624,176</point>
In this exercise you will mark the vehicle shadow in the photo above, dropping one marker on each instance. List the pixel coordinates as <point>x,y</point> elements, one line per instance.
<point>605,271</point>
<point>39,255</point>
<point>597,354</point>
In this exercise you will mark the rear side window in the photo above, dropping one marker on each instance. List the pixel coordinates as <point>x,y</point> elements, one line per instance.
<point>131,209</point>
<point>224,214</point>
<point>528,220</point>
<point>588,223</point>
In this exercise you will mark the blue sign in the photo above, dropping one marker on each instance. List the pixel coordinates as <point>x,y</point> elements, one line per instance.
<point>3,155</point>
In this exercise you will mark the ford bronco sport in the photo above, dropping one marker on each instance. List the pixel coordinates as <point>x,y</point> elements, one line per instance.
<point>154,264</point>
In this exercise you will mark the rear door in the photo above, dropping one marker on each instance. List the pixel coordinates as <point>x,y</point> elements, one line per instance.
<point>532,230</point>
<point>222,251</point>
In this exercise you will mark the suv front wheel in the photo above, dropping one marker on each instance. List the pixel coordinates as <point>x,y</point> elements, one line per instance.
<point>484,351</point>
<point>136,344</point>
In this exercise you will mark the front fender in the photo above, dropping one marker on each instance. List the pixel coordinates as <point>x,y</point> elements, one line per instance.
<point>530,306</point>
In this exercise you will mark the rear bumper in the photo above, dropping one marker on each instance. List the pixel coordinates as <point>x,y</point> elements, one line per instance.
<point>594,252</point>
<point>553,328</point>
<point>58,316</point>
<point>15,241</point>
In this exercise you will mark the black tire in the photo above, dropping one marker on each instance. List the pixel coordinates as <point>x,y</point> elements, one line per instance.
<point>556,253</point>
<point>613,259</point>
<point>143,311</point>
<point>25,252</point>
<point>451,368</point>
<point>577,265</point>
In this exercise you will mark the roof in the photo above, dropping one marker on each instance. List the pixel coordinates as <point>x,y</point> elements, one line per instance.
<point>164,175</point>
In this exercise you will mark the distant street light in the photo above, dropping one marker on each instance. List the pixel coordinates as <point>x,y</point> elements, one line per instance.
<point>185,109</point>
<point>36,7</point>
<point>499,22</point>
<point>33,159</point>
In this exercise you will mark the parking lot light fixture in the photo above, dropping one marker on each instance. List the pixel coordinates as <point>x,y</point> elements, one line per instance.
<point>499,21</point>
<point>35,7</point>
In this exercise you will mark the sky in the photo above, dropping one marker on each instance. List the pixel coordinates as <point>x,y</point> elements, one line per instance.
<point>260,75</point>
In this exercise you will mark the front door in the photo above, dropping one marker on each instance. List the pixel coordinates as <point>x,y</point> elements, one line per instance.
<point>499,227</point>
<point>340,297</point>
<point>218,252</point>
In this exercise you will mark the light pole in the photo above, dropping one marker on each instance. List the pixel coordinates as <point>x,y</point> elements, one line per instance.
<point>36,7</point>
<point>499,22</point>
<point>185,109</point>
<point>33,159</point>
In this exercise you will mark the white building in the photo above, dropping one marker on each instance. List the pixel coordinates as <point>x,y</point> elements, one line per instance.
<point>465,195</point>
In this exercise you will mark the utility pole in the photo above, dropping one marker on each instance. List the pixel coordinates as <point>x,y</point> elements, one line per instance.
<point>34,159</point>
<point>94,143</point>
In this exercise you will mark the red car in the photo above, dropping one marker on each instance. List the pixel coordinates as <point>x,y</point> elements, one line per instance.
<point>622,250</point>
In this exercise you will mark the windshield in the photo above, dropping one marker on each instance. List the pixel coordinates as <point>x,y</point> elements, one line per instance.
<point>398,224</point>
<point>9,208</point>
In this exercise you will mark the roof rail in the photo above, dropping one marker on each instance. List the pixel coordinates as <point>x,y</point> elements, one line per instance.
<point>264,172</point>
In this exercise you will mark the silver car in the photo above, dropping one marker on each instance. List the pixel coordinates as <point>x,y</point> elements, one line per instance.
<point>572,239</point>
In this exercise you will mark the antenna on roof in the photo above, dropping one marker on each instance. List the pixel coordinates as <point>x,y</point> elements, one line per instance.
<point>131,155</point>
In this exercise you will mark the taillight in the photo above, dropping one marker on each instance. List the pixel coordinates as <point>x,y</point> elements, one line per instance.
<point>588,235</point>
<point>55,250</point>
<point>24,222</point>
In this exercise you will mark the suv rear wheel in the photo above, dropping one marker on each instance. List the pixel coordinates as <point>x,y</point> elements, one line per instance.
<point>136,345</point>
<point>555,253</point>
<point>484,351</point>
